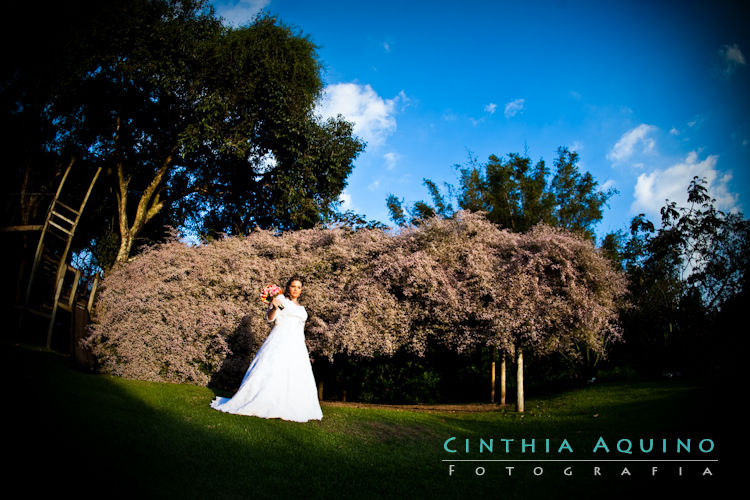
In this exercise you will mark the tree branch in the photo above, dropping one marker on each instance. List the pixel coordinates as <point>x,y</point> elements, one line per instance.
<point>149,205</point>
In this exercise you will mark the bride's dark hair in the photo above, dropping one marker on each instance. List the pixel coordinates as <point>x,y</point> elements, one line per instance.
<point>292,280</point>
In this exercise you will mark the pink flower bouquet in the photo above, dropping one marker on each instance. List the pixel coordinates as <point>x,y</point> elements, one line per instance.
<point>269,292</point>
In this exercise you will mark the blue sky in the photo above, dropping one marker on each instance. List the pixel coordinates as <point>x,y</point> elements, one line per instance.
<point>649,93</point>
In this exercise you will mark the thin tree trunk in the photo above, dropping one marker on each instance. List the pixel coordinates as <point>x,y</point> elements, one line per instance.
<point>502,380</point>
<point>492,376</point>
<point>519,381</point>
<point>25,219</point>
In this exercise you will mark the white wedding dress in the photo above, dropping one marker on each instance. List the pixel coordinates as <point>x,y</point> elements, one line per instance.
<point>279,382</point>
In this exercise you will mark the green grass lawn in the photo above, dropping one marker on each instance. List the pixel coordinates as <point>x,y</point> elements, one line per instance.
<point>101,436</point>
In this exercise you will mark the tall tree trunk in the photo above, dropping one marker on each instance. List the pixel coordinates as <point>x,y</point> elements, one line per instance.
<point>519,381</point>
<point>126,239</point>
<point>126,245</point>
<point>492,376</point>
<point>148,206</point>
<point>502,380</point>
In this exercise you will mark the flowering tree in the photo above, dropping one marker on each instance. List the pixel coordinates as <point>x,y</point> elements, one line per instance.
<point>444,272</point>
<point>192,314</point>
<point>559,296</point>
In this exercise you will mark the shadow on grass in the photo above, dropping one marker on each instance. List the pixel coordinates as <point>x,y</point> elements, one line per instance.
<point>85,434</point>
<point>92,435</point>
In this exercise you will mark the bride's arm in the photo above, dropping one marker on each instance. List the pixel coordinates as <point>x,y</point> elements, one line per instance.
<point>271,312</point>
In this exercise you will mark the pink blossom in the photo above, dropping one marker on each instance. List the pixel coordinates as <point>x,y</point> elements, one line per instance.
<point>190,314</point>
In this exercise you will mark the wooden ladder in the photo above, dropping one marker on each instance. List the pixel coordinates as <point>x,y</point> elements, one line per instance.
<point>50,266</point>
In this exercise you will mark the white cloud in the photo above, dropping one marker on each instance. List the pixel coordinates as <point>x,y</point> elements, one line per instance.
<point>731,58</point>
<point>450,116</point>
<point>372,116</point>
<point>652,189</point>
<point>633,141</point>
<point>239,12</point>
<point>514,107</point>
<point>346,201</point>
<point>391,159</point>
<point>674,131</point>
<point>697,121</point>
<point>490,108</point>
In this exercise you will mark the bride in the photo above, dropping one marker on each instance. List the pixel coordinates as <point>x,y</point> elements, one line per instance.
<point>279,382</point>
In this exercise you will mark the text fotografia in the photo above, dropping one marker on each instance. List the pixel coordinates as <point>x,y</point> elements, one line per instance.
<point>623,457</point>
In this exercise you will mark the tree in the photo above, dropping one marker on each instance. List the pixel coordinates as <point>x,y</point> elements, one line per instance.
<point>352,221</point>
<point>195,123</point>
<point>708,247</point>
<point>512,192</point>
<point>577,200</point>
<point>52,53</point>
<point>516,195</point>
<point>396,209</point>
<point>680,276</point>
<point>558,295</point>
<point>191,314</point>
<point>420,210</point>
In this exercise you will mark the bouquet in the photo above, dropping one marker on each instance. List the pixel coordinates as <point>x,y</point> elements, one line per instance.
<point>269,292</point>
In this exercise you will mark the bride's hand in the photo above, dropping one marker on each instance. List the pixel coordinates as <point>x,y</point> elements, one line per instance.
<point>276,302</point>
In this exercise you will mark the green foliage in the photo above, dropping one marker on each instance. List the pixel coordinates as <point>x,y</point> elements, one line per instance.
<point>352,221</point>
<point>396,209</point>
<point>682,276</point>
<point>611,247</point>
<point>516,194</point>
<point>578,202</point>
<point>402,378</point>
<point>196,125</point>
<point>698,247</point>
<point>421,211</point>
<point>440,376</point>
<point>442,206</point>
<point>512,192</point>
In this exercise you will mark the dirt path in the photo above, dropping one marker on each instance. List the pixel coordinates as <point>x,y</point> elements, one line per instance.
<point>472,407</point>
